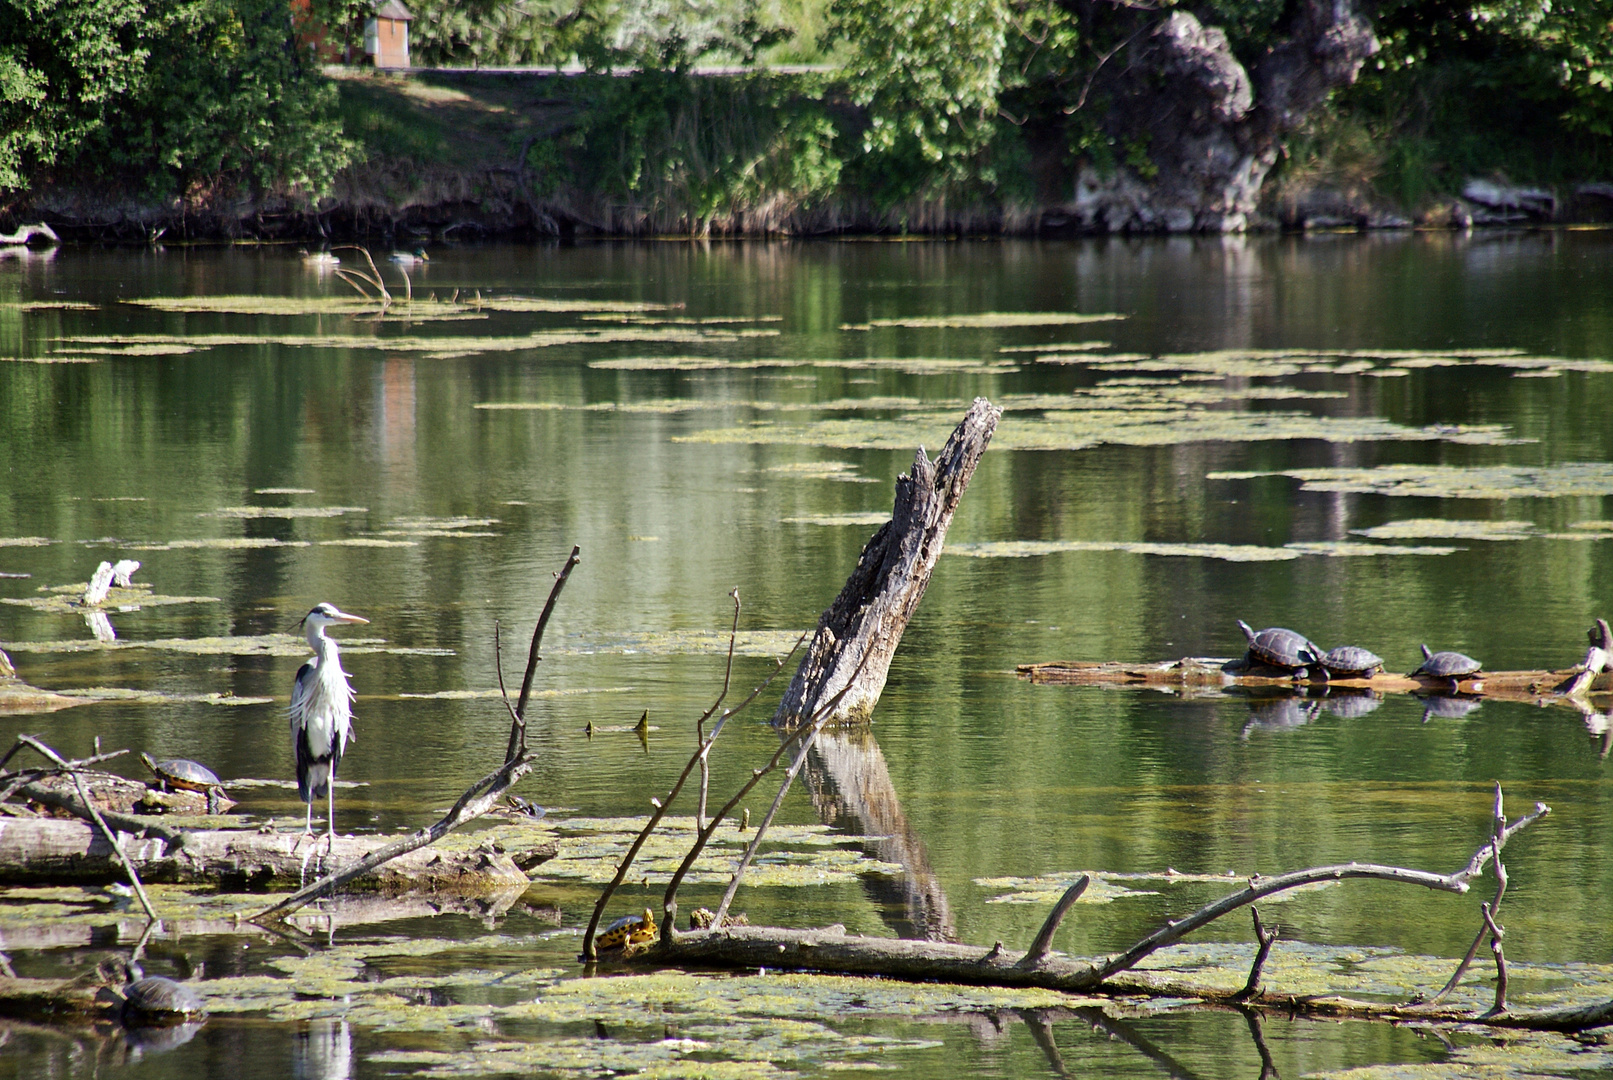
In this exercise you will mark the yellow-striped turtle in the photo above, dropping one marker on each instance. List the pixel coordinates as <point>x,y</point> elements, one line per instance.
<point>629,930</point>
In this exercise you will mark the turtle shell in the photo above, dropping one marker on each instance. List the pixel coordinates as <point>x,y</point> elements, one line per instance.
<point>1447,665</point>
<point>629,930</point>
<point>1352,660</point>
<point>186,774</point>
<point>1278,647</point>
<point>156,997</point>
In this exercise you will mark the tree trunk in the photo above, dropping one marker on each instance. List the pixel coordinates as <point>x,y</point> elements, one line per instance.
<point>858,635</point>
<point>1210,128</point>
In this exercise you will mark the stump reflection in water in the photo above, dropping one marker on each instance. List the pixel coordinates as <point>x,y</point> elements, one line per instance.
<point>852,790</point>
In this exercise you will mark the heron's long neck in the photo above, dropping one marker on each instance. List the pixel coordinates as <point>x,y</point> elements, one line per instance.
<point>324,647</point>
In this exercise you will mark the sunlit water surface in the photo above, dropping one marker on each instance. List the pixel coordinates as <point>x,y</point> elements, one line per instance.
<point>995,777</point>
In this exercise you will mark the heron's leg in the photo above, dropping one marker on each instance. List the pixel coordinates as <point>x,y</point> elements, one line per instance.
<point>308,822</point>
<point>330,820</point>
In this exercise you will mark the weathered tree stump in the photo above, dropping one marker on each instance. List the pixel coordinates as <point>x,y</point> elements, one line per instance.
<point>859,633</point>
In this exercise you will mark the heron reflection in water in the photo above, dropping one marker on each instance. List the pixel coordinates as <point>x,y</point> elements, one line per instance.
<point>321,715</point>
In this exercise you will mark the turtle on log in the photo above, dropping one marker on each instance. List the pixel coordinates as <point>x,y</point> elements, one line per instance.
<point>1446,665</point>
<point>1351,662</point>
<point>1280,648</point>
<point>157,1000</point>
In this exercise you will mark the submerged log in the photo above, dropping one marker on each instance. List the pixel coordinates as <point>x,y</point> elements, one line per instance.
<point>859,633</point>
<point>51,851</point>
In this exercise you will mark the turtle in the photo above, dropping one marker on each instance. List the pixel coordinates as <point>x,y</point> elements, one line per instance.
<point>629,930</point>
<point>186,775</point>
<point>183,774</point>
<point>1351,662</point>
<point>1446,665</point>
<point>1280,648</point>
<point>157,999</point>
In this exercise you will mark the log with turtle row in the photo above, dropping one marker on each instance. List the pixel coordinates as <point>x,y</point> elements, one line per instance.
<point>1279,657</point>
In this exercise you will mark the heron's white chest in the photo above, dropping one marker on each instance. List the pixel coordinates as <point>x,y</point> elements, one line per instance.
<point>325,720</point>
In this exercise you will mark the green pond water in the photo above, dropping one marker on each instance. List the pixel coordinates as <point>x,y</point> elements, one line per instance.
<point>1382,441</point>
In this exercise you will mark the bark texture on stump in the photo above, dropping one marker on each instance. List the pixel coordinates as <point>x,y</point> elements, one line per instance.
<point>1210,127</point>
<point>859,633</point>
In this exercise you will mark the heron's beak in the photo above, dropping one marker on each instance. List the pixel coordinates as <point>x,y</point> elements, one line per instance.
<point>344,617</point>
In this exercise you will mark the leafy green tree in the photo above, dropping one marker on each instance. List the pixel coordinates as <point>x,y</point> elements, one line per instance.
<point>65,66</point>
<point>927,72</point>
<point>234,101</point>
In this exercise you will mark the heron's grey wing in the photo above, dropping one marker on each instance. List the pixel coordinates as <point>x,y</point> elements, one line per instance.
<point>301,689</point>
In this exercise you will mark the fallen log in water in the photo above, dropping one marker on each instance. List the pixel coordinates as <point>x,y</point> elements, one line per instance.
<point>1204,674</point>
<point>1211,675</point>
<point>53,851</point>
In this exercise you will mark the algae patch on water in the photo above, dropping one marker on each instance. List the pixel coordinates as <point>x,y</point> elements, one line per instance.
<point>1419,528</point>
<point>795,856</point>
<point>769,643</point>
<point>987,320</point>
<point>876,517</point>
<point>1566,480</point>
<point>282,511</point>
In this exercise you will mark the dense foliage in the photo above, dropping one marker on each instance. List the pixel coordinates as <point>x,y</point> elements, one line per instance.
<point>165,96</point>
<point>927,98</point>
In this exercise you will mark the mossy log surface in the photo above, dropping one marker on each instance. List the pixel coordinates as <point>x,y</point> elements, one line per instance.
<point>832,951</point>
<point>1210,674</point>
<point>53,851</point>
<point>17,697</point>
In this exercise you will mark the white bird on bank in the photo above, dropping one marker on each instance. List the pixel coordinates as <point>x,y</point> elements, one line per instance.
<point>321,714</point>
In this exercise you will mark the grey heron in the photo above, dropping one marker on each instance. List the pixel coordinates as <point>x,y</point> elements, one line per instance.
<point>321,714</point>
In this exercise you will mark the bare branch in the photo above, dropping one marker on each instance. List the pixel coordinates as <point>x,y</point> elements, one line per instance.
<point>588,952</point>
<point>498,668</point>
<point>95,815</point>
<point>1500,962</point>
<point>699,725</point>
<point>1043,942</point>
<point>1265,937</point>
<point>518,727</point>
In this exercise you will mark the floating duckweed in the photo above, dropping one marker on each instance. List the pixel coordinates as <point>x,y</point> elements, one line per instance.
<point>523,304</point>
<point>282,511</point>
<point>154,348</point>
<point>243,645</point>
<point>367,541</point>
<point>843,471</point>
<point>1081,429</point>
<point>398,309</point>
<point>988,320</point>
<point>25,541</point>
<point>50,358</point>
<point>1570,479</point>
<point>1417,528</point>
<point>223,543</point>
<point>1069,346</point>
<point>29,306</point>
<point>769,643</point>
<point>67,598</point>
<point>283,491</point>
<point>1352,549</point>
<point>1019,549</point>
<point>456,522</point>
<point>871,518</point>
<point>481,695</point>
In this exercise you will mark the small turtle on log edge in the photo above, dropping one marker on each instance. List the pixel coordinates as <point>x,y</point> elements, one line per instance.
<point>628,931</point>
<point>183,774</point>
<point>1280,648</point>
<point>1447,665</point>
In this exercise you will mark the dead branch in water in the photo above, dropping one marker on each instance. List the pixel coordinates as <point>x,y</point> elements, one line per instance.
<point>73,770</point>
<point>477,800</point>
<point>833,951</point>
<point>660,806</point>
